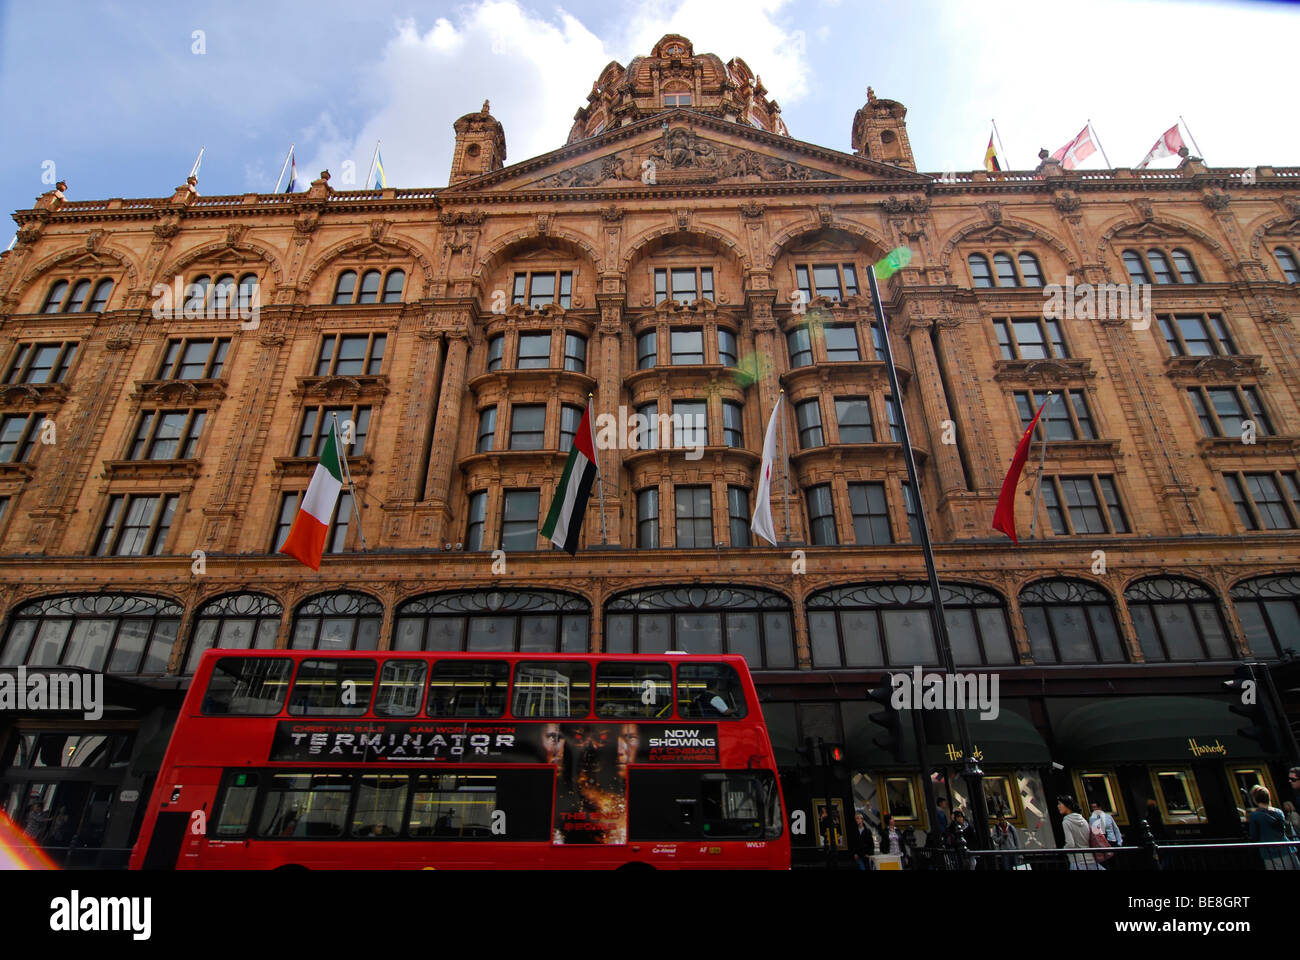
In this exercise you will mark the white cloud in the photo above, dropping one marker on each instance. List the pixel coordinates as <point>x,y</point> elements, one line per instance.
<point>536,71</point>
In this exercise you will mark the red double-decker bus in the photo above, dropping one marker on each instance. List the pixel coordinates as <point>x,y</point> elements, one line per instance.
<point>465,760</point>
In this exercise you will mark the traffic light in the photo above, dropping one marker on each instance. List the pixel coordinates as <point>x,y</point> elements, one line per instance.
<point>1249,705</point>
<point>891,740</point>
<point>836,760</point>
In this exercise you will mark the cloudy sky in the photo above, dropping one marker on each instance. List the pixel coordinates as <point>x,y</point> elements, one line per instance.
<point>117,97</point>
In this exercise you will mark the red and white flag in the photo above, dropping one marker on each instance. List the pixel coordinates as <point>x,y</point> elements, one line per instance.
<point>762,523</point>
<point>1077,150</point>
<point>1170,142</point>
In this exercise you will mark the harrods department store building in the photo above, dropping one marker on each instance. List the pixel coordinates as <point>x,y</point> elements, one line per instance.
<point>660,260</point>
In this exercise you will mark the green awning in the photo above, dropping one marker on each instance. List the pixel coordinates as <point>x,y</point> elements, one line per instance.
<point>1004,741</point>
<point>1152,729</point>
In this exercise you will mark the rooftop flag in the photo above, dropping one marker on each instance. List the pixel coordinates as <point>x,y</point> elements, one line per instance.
<point>1170,142</point>
<point>1077,150</point>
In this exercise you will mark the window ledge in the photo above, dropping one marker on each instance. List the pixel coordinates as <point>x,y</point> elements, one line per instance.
<point>1044,371</point>
<point>550,377</point>
<point>23,469</point>
<point>306,466</point>
<point>1212,369</point>
<point>340,387</point>
<point>839,452</point>
<point>713,455</point>
<point>1081,449</point>
<point>179,391</point>
<point>836,371</point>
<point>32,395</point>
<point>150,469</point>
<point>1233,446</point>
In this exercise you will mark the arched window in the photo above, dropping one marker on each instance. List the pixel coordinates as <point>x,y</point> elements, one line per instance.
<point>888,624</point>
<point>237,621</point>
<point>197,293</point>
<point>1269,611</point>
<point>55,298</point>
<point>1185,266</point>
<point>393,284</point>
<point>979,270</point>
<point>1160,267</point>
<point>369,287</point>
<point>1030,272</point>
<point>249,294</point>
<point>1006,270</point>
<point>1069,621</point>
<point>223,293</point>
<point>338,621</point>
<point>99,299</point>
<point>78,298</point>
<point>704,619</point>
<point>1136,267</point>
<point>1286,259</point>
<point>527,621</point>
<point>345,286</point>
<point>113,632</point>
<point>1177,619</point>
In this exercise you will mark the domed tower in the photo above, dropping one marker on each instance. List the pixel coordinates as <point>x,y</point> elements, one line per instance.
<point>675,77</point>
<point>880,132</point>
<point>480,146</point>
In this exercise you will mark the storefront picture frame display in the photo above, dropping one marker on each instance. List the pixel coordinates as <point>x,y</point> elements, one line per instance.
<point>1242,777</point>
<point>1100,784</point>
<point>1177,793</point>
<point>835,804</point>
<point>900,796</point>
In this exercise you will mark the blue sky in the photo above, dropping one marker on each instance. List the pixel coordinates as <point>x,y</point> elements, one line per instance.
<point>116,96</point>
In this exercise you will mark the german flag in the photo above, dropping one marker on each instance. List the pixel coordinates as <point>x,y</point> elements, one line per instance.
<point>991,157</point>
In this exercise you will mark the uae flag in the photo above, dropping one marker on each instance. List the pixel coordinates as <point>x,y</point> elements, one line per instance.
<point>564,521</point>
<point>306,540</point>
<point>1004,518</point>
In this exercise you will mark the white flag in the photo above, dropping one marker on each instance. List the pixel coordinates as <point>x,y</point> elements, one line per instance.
<point>762,523</point>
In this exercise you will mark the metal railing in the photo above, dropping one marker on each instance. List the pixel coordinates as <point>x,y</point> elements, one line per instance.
<point>1212,855</point>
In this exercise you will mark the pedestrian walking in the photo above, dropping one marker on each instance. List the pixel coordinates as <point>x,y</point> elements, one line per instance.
<point>1077,834</point>
<point>1005,836</point>
<point>891,841</point>
<point>864,844</point>
<point>961,838</point>
<point>1292,815</point>
<point>1267,824</point>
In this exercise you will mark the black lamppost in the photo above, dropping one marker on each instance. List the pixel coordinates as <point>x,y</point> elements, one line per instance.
<point>971,771</point>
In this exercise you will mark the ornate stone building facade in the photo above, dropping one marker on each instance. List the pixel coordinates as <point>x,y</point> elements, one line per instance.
<point>681,254</point>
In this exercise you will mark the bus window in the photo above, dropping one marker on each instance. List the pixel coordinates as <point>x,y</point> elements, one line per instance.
<point>247,686</point>
<point>453,807</point>
<point>332,688</point>
<point>468,688</point>
<point>634,690</point>
<point>381,801</point>
<point>731,805</point>
<point>235,806</point>
<point>310,805</point>
<point>709,691</point>
<point>552,690</point>
<point>401,687</point>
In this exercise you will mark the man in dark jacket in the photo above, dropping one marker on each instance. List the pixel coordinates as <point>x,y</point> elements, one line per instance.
<point>961,838</point>
<point>864,844</point>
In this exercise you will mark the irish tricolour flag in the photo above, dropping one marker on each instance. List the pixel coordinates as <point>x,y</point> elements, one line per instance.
<point>306,540</point>
<point>564,522</point>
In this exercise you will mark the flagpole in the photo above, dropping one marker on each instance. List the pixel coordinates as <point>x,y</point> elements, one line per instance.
<point>600,479</point>
<point>373,157</point>
<point>1191,137</point>
<point>283,168</point>
<point>971,772</point>
<point>352,488</point>
<point>1042,465</point>
<point>1099,146</point>
<point>785,464</point>
<point>1003,148</point>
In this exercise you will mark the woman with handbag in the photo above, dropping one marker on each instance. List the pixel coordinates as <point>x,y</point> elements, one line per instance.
<point>1077,835</point>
